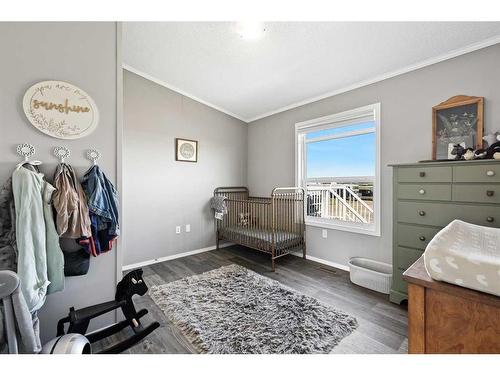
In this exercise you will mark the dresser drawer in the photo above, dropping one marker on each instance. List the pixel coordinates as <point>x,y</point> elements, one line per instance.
<point>477,173</point>
<point>441,214</point>
<point>406,257</point>
<point>424,174</point>
<point>415,235</point>
<point>432,192</point>
<point>476,193</point>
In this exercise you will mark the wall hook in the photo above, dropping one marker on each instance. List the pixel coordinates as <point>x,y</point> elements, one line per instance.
<point>62,153</point>
<point>93,155</point>
<point>26,150</point>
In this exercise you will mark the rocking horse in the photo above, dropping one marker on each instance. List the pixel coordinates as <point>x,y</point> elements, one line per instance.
<point>131,284</point>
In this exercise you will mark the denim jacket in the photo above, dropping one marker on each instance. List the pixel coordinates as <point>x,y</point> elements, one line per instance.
<point>102,200</point>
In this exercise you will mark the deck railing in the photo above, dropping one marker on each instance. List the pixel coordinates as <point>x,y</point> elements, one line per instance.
<point>337,201</point>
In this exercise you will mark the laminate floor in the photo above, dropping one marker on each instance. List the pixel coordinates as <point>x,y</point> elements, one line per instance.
<point>382,325</point>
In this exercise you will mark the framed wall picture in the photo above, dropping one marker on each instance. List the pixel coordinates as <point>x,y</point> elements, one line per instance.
<point>186,150</point>
<point>458,120</point>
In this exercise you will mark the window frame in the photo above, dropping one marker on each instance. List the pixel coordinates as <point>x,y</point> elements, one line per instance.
<point>366,113</point>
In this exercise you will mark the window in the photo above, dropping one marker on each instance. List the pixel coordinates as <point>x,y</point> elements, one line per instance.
<point>338,163</point>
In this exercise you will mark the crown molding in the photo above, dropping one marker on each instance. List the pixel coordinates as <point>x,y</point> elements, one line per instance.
<point>179,91</point>
<point>422,64</point>
<point>434,60</point>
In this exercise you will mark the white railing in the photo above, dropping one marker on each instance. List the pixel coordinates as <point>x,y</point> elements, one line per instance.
<point>337,201</point>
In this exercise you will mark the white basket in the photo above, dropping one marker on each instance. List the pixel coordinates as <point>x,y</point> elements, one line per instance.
<point>371,274</point>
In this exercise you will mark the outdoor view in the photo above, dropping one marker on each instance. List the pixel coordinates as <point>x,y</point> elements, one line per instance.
<point>340,173</point>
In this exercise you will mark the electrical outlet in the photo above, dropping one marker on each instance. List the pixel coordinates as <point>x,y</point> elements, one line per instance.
<point>178,230</point>
<point>324,233</point>
<point>188,228</point>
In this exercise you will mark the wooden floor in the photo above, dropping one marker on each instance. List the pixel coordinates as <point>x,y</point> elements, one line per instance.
<point>382,325</point>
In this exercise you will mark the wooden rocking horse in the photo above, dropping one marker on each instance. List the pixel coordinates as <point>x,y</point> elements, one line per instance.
<point>131,284</point>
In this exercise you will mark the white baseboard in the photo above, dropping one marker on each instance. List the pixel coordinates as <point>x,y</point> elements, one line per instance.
<point>174,256</point>
<point>322,261</point>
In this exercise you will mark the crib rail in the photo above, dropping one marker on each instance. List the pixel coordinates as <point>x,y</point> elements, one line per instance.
<point>274,225</point>
<point>288,216</point>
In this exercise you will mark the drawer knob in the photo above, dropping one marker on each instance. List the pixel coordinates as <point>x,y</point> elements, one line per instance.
<point>421,191</point>
<point>421,213</point>
<point>422,174</point>
<point>490,193</point>
<point>421,238</point>
<point>490,173</point>
<point>490,219</point>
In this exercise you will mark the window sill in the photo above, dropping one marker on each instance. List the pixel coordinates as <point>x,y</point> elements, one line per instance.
<point>370,230</point>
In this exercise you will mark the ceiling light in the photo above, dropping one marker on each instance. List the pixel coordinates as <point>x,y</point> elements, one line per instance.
<point>250,30</point>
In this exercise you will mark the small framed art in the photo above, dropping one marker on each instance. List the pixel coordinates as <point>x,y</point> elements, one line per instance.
<point>458,120</point>
<point>186,150</point>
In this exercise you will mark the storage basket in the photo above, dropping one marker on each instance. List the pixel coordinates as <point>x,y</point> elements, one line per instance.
<point>371,274</point>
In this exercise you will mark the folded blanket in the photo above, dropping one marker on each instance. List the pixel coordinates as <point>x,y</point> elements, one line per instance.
<point>218,204</point>
<point>467,255</point>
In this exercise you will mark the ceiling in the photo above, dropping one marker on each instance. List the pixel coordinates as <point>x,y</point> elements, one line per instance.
<point>293,63</point>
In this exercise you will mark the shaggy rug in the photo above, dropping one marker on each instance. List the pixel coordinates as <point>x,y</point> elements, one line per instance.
<point>235,310</point>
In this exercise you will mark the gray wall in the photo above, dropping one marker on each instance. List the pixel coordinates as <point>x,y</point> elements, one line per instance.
<point>406,137</point>
<point>159,192</point>
<point>84,54</point>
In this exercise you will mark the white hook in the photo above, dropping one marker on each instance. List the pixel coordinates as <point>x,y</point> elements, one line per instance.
<point>26,150</point>
<point>93,155</point>
<point>62,153</point>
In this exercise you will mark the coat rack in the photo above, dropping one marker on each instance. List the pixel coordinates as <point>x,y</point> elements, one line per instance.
<point>93,155</point>
<point>62,153</point>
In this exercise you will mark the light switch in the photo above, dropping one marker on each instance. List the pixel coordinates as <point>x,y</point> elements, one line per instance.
<point>177,229</point>
<point>188,228</point>
<point>324,233</point>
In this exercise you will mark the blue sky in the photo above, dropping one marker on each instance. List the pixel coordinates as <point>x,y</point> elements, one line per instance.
<point>352,156</point>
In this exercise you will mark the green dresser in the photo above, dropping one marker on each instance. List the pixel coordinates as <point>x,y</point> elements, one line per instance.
<point>428,196</point>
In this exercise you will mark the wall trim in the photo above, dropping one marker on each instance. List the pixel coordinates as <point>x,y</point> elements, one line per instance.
<point>179,91</point>
<point>422,64</point>
<point>323,261</point>
<point>174,256</point>
<point>120,246</point>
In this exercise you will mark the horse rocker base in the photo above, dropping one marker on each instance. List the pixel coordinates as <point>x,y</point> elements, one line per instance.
<point>79,320</point>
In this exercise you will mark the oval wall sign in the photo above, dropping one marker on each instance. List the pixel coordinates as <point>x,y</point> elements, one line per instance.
<point>60,109</point>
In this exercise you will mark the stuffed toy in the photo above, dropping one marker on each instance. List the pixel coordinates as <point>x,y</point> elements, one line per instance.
<point>458,151</point>
<point>480,153</point>
<point>469,154</point>
<point>493,149</point>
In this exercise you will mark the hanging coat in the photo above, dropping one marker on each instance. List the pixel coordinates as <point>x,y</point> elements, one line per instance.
<point>70,204</point>
<point>102,199</point>
<point>55,256</point>
<point>27,188</point>
<point>40,260</point>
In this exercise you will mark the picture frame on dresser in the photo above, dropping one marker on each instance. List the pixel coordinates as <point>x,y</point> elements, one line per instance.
<point>457,120</point>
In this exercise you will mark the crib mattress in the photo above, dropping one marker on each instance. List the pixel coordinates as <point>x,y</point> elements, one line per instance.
<point>467,255</point>
<point>283,238</point>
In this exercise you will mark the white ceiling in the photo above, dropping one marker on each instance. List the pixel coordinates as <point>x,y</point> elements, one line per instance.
<point>293,63</point>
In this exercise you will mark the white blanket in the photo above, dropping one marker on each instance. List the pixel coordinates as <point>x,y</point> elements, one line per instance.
<point>467,255</point>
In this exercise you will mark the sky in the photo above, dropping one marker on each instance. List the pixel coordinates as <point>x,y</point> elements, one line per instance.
<point>342,157</point>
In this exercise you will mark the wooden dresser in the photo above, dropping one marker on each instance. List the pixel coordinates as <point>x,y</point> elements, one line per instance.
<point>428,196</point>
<point>446,318</point>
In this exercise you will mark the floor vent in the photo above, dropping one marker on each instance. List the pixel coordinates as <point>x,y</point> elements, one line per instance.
<point>329,270</point>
